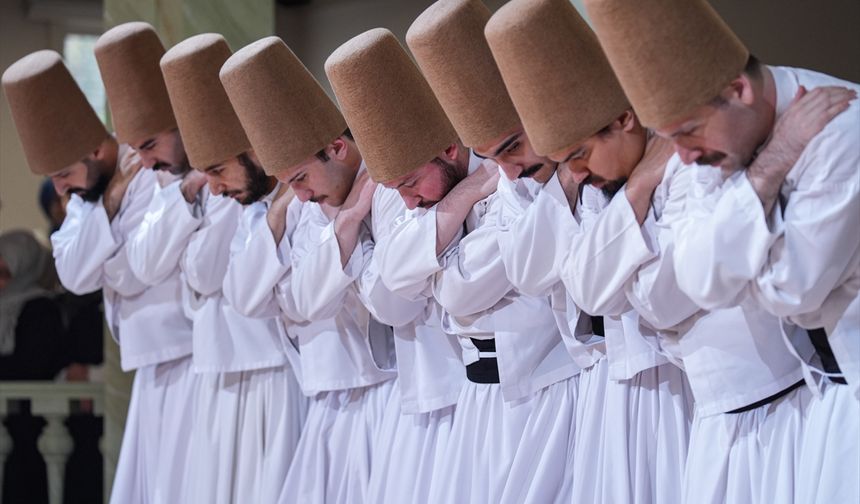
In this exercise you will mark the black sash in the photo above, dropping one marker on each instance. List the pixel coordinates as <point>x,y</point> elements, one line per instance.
<point>597,326</point>
<point>485,369</point>
<point>767,400</point>
<point>825,353</point>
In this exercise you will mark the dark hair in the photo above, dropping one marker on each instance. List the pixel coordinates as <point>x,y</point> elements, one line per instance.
<point>246,161</point>
<point>752,69</point>
<point>322,156</point>
<point>258,181</point>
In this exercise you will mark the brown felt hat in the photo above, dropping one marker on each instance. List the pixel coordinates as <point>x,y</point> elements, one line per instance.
<point>448,43</point>
<point>56,124</point>
<point>210,130</point>
<point>284,110</point>
<point>397,122</point>
<point>671,56</point>
<point>128,57</point>
<point>556,73</point>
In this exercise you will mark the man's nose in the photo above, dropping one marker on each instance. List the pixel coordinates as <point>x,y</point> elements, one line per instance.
<point>688,156</point>
<point>148,160</point>
<point>61,187</point>
<point>303,195</point>
<point>580,173</point>
<point>511,170</point>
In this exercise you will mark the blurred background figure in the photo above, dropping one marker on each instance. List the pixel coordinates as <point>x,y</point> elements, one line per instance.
<point>31,327</point>
<point>52,205</point>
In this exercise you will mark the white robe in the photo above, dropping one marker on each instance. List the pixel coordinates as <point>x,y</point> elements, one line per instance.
<point>511,441</point>
<point>418,419</point>
<point>154,335</point>
<point>342,357</point>
<point>732,357</point>
<point>612,462</point>
<point>243,384</point>
<point>801,263</point>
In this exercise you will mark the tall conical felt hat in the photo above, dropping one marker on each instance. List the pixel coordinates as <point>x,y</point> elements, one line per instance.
<point>128,57</point>
<point>556,73</point>
<point>397,122</point>
<point>210,130</point>
<point>56,124</point>
<point>671,56</point>
<point>284,110</point>
<point>448,43</point>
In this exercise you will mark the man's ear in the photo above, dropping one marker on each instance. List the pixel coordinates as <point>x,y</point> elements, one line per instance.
<point>337,149</point>
<point>627,121</point>
<point>740,88</point>
<point>452,151</point>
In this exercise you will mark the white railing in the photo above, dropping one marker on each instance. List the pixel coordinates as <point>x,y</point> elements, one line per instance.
<point>52,402</point>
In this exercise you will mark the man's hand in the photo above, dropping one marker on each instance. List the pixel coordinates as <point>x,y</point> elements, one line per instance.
<point>353,211</point>
<point>191,184</point>
<point>481,183</point>
<point>452,211</point>
<point>647,175</point>
<point>276,216</point>
<point>808,114</point>
<point>358,202</point>
<point>568,185</point>
<point>122,177</point>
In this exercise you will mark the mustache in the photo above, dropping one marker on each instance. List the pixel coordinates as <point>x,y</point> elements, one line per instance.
<point>530,171</point>
<point>711,159</point>
<point>610,187</point>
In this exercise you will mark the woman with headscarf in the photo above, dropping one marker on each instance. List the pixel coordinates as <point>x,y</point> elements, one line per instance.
<point>31,330</point>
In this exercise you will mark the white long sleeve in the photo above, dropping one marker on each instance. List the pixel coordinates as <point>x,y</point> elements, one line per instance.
<point>319,282</point>
<point>473,278</point>
<point>82,245</point>
<point>386,306</point>
<point>411,274</point>
<point>533,241</point>
<point>207,255</point>
<point>604,256</point>
<point>119,275</point>
<point>653,290</point>
<point>155,247</point>
<point>257,265</point>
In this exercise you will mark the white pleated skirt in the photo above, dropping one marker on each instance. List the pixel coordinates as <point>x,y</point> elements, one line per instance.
<point>750,457</point>
<point>246,428</point>
<point>499,452</point>
<point>408,453</point>
<point>156,443</point>
<point>829,469</point>
<point>336,450</point>
<point>631,436</point>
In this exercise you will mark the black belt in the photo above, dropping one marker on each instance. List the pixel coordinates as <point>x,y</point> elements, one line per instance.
<point>597,326</point>
<point>767,400</point>
<point>485,369</point>
<point>825,353</point>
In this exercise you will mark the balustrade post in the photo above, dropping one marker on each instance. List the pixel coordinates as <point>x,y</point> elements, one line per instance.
<point>55,445</point>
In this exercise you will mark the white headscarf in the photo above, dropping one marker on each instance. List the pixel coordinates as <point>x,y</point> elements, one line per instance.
<point>26,259</point>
